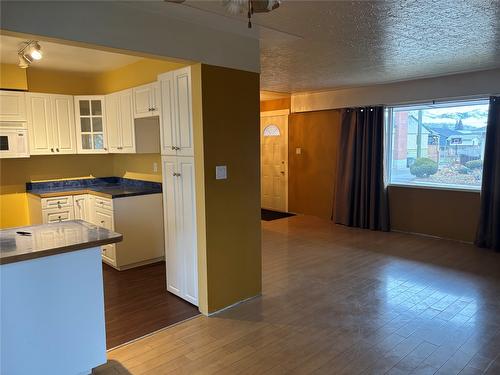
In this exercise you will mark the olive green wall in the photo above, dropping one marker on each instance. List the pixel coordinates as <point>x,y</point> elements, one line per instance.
<point>231,127</point>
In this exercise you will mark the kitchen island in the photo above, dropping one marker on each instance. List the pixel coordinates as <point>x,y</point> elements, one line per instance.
<point>51,298</point>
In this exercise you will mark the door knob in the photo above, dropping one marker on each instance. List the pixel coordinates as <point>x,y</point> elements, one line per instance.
<point>283,173</point>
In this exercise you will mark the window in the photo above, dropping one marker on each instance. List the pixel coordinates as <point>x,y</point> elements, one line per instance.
<point>271,131</point>
<point>438,145</point>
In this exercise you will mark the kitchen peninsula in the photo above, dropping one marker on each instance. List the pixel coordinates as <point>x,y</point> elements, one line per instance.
<point>51,300</point>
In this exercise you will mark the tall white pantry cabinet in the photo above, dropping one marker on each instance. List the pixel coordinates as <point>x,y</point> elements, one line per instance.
<point>179,198</point>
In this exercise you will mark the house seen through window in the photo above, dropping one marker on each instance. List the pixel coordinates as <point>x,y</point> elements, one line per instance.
<point>440,145</point>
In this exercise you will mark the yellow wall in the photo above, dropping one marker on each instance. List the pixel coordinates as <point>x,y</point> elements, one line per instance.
<point>137,166</point>
<point>60,82</point>
<point>231,127</point>
<point>12,77</point>
<point>138,73</point>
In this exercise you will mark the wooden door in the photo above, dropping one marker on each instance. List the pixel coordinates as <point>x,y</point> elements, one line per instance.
<point>274,162</point>
<point>173,255</point>
<point>63,124</point>
<point>40,132</point>
<point>187,227</point>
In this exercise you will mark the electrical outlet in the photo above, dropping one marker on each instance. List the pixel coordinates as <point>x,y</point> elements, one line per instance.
<point>155,167</point>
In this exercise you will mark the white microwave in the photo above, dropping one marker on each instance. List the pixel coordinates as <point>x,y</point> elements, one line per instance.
<point>13,142</point>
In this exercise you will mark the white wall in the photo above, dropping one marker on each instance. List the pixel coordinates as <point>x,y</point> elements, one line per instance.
<point>482,83</point>
<point>156,28</point>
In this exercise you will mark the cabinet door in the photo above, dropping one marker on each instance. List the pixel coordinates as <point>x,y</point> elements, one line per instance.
<point>40,132</point>
<point>142,101</point>
<point>186,220</point>
<point>91,124</point>
<point>183,112</point>
<point>113,122</point>
<point>127,122</point>
<point>155,99</point>
<point>173,255</point>
<point>63,124</point>
<point>81,206</point>
<point>167,118</point>
<point>12,106</point>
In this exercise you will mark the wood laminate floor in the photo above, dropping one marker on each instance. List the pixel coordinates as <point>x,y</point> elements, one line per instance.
<point>137,303</point>
<point>342,301</point>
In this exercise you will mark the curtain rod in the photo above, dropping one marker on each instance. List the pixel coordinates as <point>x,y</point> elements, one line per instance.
<point>442,100</point>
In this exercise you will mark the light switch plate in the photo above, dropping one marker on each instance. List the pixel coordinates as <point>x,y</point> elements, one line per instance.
<point>221,172</point>
<point>298,151</point>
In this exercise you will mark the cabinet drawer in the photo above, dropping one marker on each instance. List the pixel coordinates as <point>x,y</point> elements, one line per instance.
<point>57,202</point>
<point>57,215</point>
<point>108,252</point>
<point>103,203</point>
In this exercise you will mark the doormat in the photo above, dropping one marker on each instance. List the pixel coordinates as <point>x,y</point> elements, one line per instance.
<point>269,215</point>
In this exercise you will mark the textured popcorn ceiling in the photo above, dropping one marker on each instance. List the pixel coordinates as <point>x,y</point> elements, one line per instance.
<point>314,45</point>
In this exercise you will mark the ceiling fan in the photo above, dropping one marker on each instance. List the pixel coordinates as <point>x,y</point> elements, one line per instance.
<point>242,6</point>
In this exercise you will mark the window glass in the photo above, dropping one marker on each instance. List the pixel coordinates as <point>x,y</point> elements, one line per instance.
<point>271,131</point>
<point>438,145</point>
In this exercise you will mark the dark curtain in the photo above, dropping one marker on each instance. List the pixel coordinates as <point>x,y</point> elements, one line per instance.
<point>488,232</point>
<point>360,196</point>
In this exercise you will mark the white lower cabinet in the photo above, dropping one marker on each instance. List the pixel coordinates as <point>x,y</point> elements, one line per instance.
<point>180,227</point>
<point>104,218</point>
<point>82,207</point>
<point>137,218</point>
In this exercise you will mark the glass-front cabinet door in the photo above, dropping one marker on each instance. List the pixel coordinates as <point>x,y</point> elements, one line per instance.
<point>91,124</point>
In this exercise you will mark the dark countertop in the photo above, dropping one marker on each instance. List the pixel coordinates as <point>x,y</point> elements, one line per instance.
<point>52,239</point>
<point>107,187</point>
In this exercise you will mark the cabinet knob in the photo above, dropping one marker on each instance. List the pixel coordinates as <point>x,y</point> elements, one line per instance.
<point>102,221</point>
<point>177,148</point>
<point>51,150</point>
<point>57,149</point>
<point>174,148</point>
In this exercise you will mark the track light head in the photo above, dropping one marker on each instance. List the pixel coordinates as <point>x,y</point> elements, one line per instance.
<point>28,52</point>
<point>35,51</point>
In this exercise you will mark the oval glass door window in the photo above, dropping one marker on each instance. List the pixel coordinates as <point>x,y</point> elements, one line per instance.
<point>271,131</point>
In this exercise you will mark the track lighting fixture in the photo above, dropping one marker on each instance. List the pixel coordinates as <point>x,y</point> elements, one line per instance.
<point>29,51</point>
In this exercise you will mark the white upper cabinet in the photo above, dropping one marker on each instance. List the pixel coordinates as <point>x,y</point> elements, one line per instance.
<point>120,122</point>
<point>147,100</point>
<point>51,125</point>
<point>90,117</point>
<point>12,106</point>
<point>177,113</point>
<point>63,124</point>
